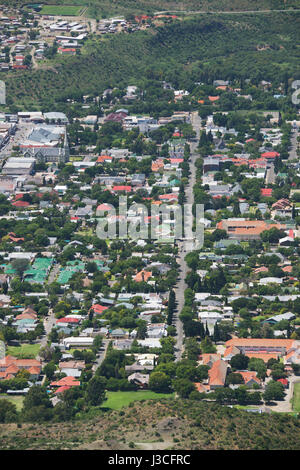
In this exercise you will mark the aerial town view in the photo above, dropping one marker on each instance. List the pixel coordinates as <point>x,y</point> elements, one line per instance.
<point>150,227</point>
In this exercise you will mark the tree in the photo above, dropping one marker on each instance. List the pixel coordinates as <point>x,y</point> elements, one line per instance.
<point>49,370</point>
<point>183,387</point>
<point>97,343</point>
<point>241,395</point>
<point>234,378</point>
<point>8,411</point>
<point>274,391</point>
<point>239,362</point>
<point>191,348</point>
<point>37,406</point>
<point>259,366</point>
<point>207,346</point>
<point>216,334</point>
<point>20,266</point>
<point>272,236</point>
<point>159,382</point>
<point>95,393</point>
<point>202,372</point>
<point>141,330</point>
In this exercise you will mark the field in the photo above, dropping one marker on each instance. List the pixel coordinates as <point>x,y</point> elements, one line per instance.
<point>61,10</point>
<point>116,400</point>
<point>25,351</point>
<point>296,397</point>
<point>16,400</point>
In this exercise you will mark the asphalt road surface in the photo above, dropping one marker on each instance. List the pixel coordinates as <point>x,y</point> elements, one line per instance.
<point>183,246</point>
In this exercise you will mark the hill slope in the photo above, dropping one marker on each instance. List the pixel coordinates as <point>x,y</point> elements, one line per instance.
<point>98,8</point>
<point>178,424</point>
<point>192,49</point>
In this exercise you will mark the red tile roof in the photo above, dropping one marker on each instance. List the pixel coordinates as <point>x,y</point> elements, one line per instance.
<point>68,320</point>
<point>267,192</point>
<point>142,276</point>
<point>98,308</point>
<point>217,373</point>
<point>270,154</point>
<point>122,188</point>
<point>66,381</point>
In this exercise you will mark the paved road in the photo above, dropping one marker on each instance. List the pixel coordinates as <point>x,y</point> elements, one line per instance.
<point>101,358</point>
<point>21,134</point>
<point>270,175</point>
<point>191,12</point>
<point>180,287</point>
<point>294,145</point>
<point>53,273</point>
<point>285,406</point>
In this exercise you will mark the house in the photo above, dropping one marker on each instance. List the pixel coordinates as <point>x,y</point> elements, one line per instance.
<point>266,192</point>
<point>241,229</point>
<point>142,380</point>
<point>249,378</point>
<point>150,342</point>
<point>119,333</point>
<point>282,208</point>
<point>98,309</point>
<point>142,276</point>
<point>208,359</point>
<point>77,342</point>
<point>277,318</point>
<point>284,382</point>
<point>156,330</point>
<point>270,280</point>
<point>270,156</point>
<point>122,344</point>
<point>10,366</point>
<point>67,322</point>
<point>72,368</point>
<point>67,382</point>
<point>15,166</point>
<point>143,362</point>
<point>217,374</point>
<point>262,348</point>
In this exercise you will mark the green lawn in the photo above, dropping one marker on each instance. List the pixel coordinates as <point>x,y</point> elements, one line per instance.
<point>16,400</point>
<point>61,10</point>
<point>25,351</point>
<point>296,397</point>
<point>116,400</point>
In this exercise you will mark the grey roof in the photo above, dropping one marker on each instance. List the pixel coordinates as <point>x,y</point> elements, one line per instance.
<point>44,134</point>
<point>283,316</point>
<point>56,116</point>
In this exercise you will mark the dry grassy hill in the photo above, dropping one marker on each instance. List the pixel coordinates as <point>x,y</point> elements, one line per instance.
<point>176,425</point>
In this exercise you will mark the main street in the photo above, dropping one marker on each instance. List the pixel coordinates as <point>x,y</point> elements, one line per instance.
<point>183,245</point>
<point>22,131</point>
<point>294,145</point>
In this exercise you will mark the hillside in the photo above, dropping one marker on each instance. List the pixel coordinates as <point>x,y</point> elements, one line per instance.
<point>161,425</point>
<point>182,52</point>
<point>98,8</point>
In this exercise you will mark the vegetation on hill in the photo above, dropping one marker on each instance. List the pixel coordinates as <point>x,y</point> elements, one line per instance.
<point>104,8</point>
<point>179,424</point>
<point>183,53</point>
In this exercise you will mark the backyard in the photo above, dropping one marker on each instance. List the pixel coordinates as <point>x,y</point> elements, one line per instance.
<point>296,397</point>
<point>116,400</point>
<point>16,400</point>
<point>25,351</point>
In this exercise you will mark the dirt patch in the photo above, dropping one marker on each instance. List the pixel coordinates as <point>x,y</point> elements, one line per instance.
<point>103,445</point>
<point>154,445</point>
<point>168,424</point>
